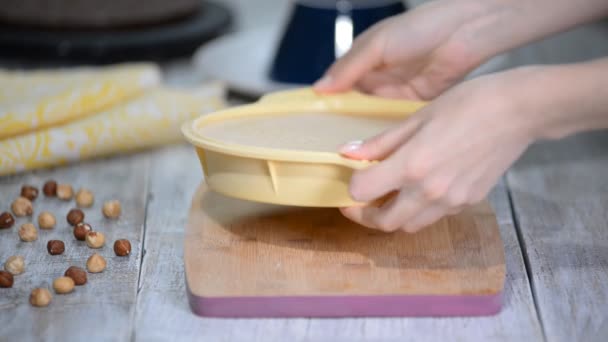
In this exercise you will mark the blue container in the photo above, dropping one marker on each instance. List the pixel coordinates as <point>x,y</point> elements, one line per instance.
<point>320,31</point>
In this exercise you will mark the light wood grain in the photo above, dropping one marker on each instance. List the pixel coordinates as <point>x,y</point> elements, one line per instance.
<point>163,312</point>
<point>102,308</point>
<point>560,195</point>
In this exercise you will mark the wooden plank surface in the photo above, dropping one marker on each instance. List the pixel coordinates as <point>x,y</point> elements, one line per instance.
<point>163,313</point>
<point>103,308</point>
<point>560,196</point>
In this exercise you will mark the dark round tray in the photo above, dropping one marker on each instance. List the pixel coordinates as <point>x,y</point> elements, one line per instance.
<point>163,41</point>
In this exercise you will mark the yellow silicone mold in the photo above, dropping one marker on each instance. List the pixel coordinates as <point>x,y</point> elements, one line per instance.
<point>282,176</point>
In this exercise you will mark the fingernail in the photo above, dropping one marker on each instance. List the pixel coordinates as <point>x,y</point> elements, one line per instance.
<point>351,146</point>
<point>324,82</point>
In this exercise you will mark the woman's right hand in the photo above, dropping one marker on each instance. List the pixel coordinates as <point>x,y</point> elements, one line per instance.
<point>416,55</point>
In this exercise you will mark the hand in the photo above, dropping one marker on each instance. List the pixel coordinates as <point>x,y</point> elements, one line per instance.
<point>416,55</point>
<point>444,157</point>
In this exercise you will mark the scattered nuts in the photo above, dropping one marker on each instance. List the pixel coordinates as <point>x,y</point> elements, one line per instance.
<point>29,192</point>
<point>111,209</point>
<point>22,207</point>
<point>65,192</point>
<point>78,275</point>
<point>95,239</point>
<point>28,232</point>
<point>15,265</point>
<point>6,220</point>
<point>6,279</point>
<point>122,247</point>
<point>81,230</point>
<point>63,285</point>
<point>55,247</point>
<point>84,198</point>
<point>40,297</point>
<point>46,220</point>
<point>96,263</point>
<point>50,188</point>
<point>75,216</point>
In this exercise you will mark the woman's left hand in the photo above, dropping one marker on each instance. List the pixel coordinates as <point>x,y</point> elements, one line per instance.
<point>446,156</point>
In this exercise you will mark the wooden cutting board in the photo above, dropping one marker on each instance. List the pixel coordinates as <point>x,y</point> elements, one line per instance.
<point>247,259</point>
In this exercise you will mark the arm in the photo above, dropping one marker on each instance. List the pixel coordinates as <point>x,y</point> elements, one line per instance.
<point>451,153</point>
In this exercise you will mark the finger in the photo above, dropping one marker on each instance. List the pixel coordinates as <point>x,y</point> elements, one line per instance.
<point>425,218</point>
<point>362,215</point>
<point>382,145</point>
<point>364,55</point>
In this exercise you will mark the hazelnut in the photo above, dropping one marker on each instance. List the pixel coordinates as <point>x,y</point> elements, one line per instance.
<point>95,239</point>
<point>84,198</point>
<point>75,216</point>
<point>6,220</point>
<point>6,279</point>
<point>96,263</point>
<point>63,285</point>
<point>15,265</point>
<point>111,209</point>
<point>28,232</point>
<point>122,247</point>
<point>55,247</point>
<point>50,188</point>
<point>22,207</point>
<point>65,192</point>
<point>29,192</point>
<point>81,230</point>
<point>46,220</point>
<point>78,275</point>
<point>40,297</point>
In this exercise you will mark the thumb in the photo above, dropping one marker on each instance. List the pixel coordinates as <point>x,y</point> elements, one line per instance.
<point>382,145</point>
<point>364,55</point>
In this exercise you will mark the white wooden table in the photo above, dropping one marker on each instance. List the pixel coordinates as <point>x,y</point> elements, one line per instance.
<point>551,208</point>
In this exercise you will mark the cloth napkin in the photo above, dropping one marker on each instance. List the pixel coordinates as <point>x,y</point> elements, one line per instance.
<point>92,113</point>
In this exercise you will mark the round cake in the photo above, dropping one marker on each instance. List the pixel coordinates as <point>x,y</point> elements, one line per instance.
<point>93,14</point>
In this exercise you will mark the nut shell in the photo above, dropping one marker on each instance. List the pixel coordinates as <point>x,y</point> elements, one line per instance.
<point>55,247</point>
<point>6,279</point>
<point>29,192</point>
<point>78,275</point>
<point>6,220</point>
<point>81,230</point>
<point>50,188</point>
<point>122,247</point>
<point>75,216</point>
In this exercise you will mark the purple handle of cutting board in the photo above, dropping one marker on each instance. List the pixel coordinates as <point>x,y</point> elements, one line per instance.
<point>346,306</point>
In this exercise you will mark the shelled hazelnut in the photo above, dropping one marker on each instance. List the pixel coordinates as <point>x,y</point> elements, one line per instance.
<point>112,209</point>
<point>95,239</point>
<point>55,247</point>
<point>50,188</point>
<point>75,216</point>
<point>63,285</point>
<point>29,192</point>
<point>22,207</point>
<point>81,230</point>
<point>65,192</point>
<point>6,279</point>
<point>46,220</point>
<point>6,220</point>
<point>28,232</point>
<point>15,265</point>
<point>78,275</point>
<point>84,198</point>
<point>96,263</point>
<point>122,247</point>
<point>40,297</point>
